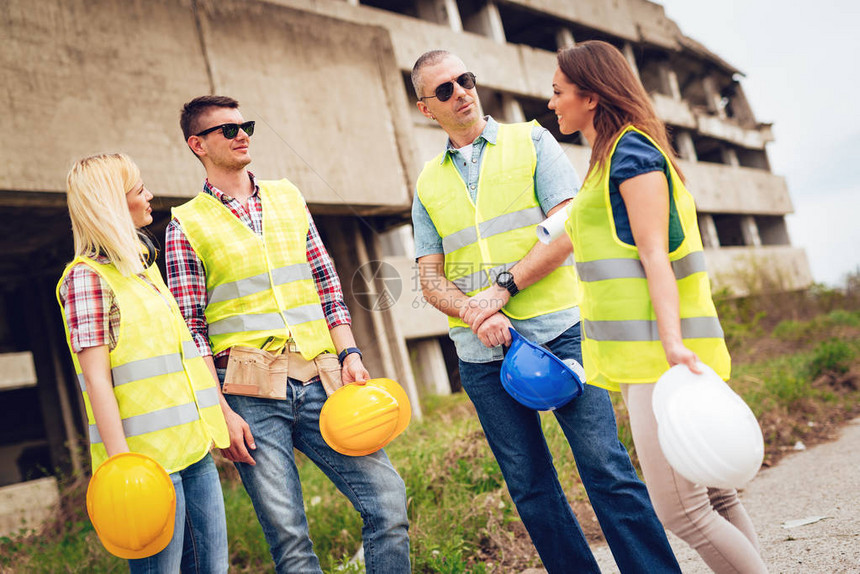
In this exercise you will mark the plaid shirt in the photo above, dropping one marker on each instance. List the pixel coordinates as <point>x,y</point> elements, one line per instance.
<point>186,276</point>
<point>89,304</point>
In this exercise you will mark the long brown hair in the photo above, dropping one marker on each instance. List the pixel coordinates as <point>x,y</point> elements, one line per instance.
<point>599,68</point>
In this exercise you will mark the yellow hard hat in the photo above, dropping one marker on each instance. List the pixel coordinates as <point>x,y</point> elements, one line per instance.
<point>361,419</point>
<point>132,505</point>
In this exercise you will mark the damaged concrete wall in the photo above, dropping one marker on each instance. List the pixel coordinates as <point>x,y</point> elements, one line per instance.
<point>86,76</point>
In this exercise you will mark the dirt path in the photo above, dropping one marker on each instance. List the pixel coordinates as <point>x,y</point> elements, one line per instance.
<point>821,481</point>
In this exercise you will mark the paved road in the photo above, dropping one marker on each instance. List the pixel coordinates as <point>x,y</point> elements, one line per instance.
<point>821,481</point>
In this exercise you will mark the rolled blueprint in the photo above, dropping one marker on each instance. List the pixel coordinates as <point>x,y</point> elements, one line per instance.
<point>553,226</point>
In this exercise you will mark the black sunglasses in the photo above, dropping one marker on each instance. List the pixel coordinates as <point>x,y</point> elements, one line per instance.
<point>230,130</point>
<point>445,91</point>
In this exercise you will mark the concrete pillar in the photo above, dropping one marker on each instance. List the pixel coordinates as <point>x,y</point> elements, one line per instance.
<point>385,326</point>
<point>708,230</point>
<point>713,97</point>
<point>377,334</point>
<point>730,156</point>
<point>686,148</point>
<point>631,57</point>
<point>37,302</point>
<point>444,12</point>
<point>432,373</point>
<point>669,81</point>
<point>488,22</point>
<point>749,229</point>
<point>742,110</point>
<point>512,109</point>
<point>564,38</point>
<point>66,409</point>
<point>398,242</point>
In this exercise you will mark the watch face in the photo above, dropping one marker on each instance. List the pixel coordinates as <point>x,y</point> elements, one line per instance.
<point>504,277</point>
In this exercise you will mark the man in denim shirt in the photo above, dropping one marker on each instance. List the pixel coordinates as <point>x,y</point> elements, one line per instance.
<point>450,218</point>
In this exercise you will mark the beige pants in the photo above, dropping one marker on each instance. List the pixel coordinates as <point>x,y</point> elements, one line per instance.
<point>711,520</point>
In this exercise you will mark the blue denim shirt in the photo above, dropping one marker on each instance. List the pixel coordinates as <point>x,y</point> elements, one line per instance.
<point>555,181</point>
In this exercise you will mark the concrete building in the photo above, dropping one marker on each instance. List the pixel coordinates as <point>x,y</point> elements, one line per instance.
<point>327,82</point>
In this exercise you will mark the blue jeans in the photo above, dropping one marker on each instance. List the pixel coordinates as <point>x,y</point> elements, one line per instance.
<point>199,543</point>
<point>369,482</point>
<point>620,500</point>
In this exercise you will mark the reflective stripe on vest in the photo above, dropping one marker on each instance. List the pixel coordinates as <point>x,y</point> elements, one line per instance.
<point>153,421</point>
<point>164,418</point>
<point>266,321</point>
<point>257,283</point>
<point>603,269</point>
<point>621,343</point>
<point>482,279</point>
<point>494,226</point>
<point>149,367</point>
<point>640,330</point>
<point>490,234</point>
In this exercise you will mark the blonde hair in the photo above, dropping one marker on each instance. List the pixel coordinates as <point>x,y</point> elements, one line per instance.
<point>101,223</point>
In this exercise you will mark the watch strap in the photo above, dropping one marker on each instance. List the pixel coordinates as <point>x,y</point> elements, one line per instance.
<point>509,284</point>
<point>341,357</point>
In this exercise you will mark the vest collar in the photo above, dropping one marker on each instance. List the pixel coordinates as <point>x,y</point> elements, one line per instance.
<point>223,197</point>
<point>489,135</point>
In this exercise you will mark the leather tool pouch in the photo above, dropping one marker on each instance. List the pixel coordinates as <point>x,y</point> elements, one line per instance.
<point>329,371</point>
<point>256,373</point>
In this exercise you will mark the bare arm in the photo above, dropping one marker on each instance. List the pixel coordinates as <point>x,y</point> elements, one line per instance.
<point>447,297</point>
<point>95,366</point>
<point>646,197</point>
<point>437,289</point>
<point>539,262</point>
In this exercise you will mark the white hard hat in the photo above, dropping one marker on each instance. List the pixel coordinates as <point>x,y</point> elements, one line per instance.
<point>706,431</point>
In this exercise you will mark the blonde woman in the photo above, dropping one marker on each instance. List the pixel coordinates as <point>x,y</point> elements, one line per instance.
<point>646,300</point>
<point>145,387</point>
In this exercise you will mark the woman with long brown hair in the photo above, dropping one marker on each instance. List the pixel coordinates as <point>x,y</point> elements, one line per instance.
<point>645,295</point>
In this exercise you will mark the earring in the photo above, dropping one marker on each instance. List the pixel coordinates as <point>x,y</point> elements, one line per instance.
<point>433,118</point>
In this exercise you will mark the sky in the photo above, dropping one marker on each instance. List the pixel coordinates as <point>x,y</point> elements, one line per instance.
<point>800,62</point>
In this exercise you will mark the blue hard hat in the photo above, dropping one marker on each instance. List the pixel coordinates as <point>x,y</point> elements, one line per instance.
<point>538,379</point>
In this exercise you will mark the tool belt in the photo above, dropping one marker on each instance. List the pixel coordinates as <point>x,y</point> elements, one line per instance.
<point>254,372</point>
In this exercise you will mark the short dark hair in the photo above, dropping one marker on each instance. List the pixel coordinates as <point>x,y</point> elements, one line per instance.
<point>426,59</point>
<point>191,112</point>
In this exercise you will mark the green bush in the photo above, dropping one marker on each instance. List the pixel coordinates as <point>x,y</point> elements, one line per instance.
<point>830,357</point>
<point>844,318</point>
<point>791,330</point>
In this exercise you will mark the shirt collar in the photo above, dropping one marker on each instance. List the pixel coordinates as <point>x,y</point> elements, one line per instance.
<point>223,197</point>
<point>489,134</point>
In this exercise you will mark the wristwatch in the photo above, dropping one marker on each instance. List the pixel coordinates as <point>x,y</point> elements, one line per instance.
<point>341,357</point>
<point>506,280</point>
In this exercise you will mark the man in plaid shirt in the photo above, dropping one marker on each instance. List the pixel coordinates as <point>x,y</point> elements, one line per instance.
<point>264,431</point>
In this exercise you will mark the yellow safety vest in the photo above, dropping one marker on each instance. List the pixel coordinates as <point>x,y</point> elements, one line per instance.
<point>258,287</point>
<point>166,394</point>
<point>620,343</point>
<point>483,238</point>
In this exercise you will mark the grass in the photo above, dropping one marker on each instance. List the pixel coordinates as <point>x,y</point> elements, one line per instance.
<point>798,370</point>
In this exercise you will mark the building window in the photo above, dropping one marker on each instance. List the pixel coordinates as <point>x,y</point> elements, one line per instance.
<point>529,27</point>
<point>535,109</point>
<point>406,8</point>
<point>772,230</point>
<point>708,149</point>
<point>653,71</point>
<point>754,158</point>
<point>729,229</point>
